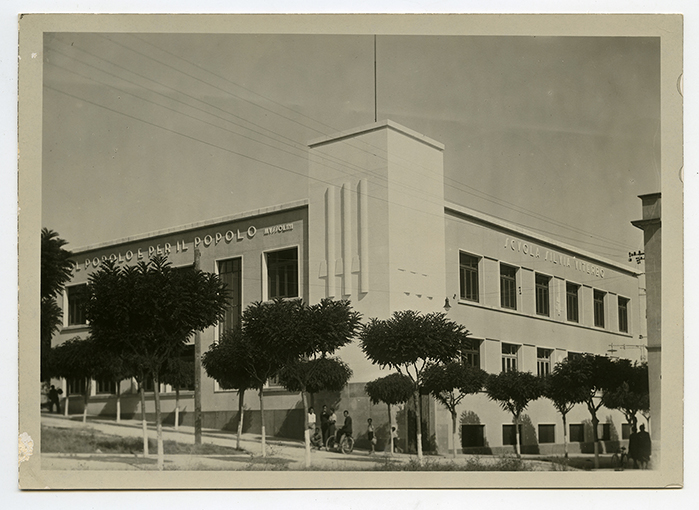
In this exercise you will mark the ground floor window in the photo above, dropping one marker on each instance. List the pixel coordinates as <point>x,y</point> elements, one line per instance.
<point>472,436</point>
<point>625,430</point>
<point>604,431</point>
<point>508,434</point>
<point>547,433</point>
<point>77,385</point>
<point>105,387</point>
<point>577,432</point>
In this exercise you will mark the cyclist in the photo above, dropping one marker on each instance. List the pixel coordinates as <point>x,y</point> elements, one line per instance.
<point>346,429</point>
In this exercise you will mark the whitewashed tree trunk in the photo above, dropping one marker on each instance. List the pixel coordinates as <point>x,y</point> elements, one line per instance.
<point>144,422</point>
<point>306,431</point>
<point>158,426</point>
<point>262,422</point>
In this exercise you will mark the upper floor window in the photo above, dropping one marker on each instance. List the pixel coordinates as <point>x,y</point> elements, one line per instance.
<point>508,287</point>
<point>598,299</point>
<point>283,274</point>
<point>623,315</point>
<point>543,362</point>
<point>77,299</point>
<point>542,294</point>
<point>230,272</point>
<point>468,270</point>
<point>509,357</point>
<point>572,301</point>
<point>471,353</point>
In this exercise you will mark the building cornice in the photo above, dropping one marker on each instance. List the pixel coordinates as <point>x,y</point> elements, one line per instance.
<point>199,224</point>
<point>376,126</point>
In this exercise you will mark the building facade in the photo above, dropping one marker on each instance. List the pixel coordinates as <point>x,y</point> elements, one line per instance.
<point>375,229</point>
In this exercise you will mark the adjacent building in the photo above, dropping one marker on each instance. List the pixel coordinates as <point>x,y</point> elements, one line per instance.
<point>375,229</point>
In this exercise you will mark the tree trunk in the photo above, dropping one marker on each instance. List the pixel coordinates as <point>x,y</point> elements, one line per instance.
<point>418,413</point>
<point>453,430</point>
<point>262,422</point>
<point>158,425</point>
<point>197,381</point>
<point>177,408</point>
<point>66,404</point>
<point>118,401</point>
<point>595,423</point>
<point>86,398</point>
<point>144,422</point>
<point>390,426</point>
<point>565,438</point>
<point>241,412</point>
<point>519,456</point>
<point>306,431</point>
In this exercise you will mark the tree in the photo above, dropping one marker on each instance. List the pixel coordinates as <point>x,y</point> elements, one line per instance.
<point>392,389</point>
<point>450,383</point>
<point>56,271</point>
<point>628,392</point>
<point>114,369</point>
<point>76,359</point>
<point>150,311</point>
<point>514,391</point>
<point>228,362</point>
<point>592,374</point>
<point>564,393</point>
<point>407,342</point>
<point>325,327</point>
<point>178,373</point>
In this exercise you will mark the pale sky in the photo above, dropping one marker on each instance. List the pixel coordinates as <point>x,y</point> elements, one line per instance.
<point>144,132</point>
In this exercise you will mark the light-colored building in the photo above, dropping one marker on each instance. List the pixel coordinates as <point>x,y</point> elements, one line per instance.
<point>376,229</point>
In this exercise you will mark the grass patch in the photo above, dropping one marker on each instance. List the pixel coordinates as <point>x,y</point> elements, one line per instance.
<point>88,440</point>
<point>470,464</point>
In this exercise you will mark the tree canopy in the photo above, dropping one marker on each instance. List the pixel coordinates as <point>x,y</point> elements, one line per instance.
<point>451,382</point>
<point>56,271</point>
<point>392,389</point>
<point>629,390</point>
<point>513,390</point>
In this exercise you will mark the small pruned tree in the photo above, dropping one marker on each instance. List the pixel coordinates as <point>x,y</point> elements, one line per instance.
<point>228,362</point>
<point>592,374</point>
<point>514,391</point>
<point>407,342</point>
<point>564,393</point>
<point>628,391</point>
<point>450,383</point>
<point>392,390</point>
<point>150,311</point>
<point>178,373</point>
<point>77,359</point>
<point>56,271</point>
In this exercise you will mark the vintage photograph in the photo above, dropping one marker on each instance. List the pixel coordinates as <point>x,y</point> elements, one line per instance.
<point>367,249</point>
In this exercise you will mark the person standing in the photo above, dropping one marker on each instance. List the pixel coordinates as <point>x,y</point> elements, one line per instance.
<point>324,419</point>
<point>332,420</point>
<point>54,400</point>
<point>370,436</point>
<point>644,447</point>
<point>633,446</point>
<point>311,418</point>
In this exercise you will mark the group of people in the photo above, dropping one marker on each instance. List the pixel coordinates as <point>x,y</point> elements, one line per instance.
<point>639,447</point>
<point>328,424</point>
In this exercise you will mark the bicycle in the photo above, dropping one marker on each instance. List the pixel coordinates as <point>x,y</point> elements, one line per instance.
<point>619,459</point>
<point>344,445</point>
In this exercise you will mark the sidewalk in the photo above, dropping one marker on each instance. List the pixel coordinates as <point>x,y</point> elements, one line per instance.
<point>281,453</point>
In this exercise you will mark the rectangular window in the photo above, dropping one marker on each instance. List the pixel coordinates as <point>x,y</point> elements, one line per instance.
<point>604,431</point>
<point>282,274</point>
<point>471,353</point>
<point>77,299</point>
<point>542,294</point>
<point>468,268</point>
<point>508,287</point>
<point>509,357</point>
<point>547,434</point>
<point>543,362</point>
<point>472,436</point>
<point>572,301</point>
<point>623,315</point>
<point>508,435</point>
<point>230,272</point>
<point>574,355</point>
<point>625,431</point>
<point>105,387</point>
<point>148,384</point>
<point>598,298</point>
<point>577,432</point>
<point>76,386</point>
